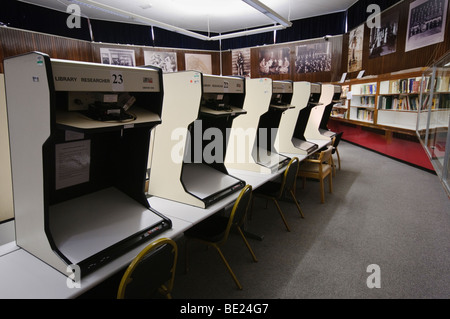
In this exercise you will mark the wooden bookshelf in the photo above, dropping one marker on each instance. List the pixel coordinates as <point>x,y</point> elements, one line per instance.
<point>363,100</point>
<point>389,102</point>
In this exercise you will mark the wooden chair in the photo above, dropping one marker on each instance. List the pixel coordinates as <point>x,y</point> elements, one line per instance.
<point>151,274</point>
<point>334,144</point>
<point>275,191</point>
<point>214,230</point>
<point>318,169</point>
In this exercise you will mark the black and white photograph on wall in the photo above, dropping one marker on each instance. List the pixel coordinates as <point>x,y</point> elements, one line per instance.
<point>241,62</point>
<point>383,40</point>
<point>355,49</point>
<point>117,57</point>
<point>312,58</point>
<point>198,62</point>
<point>274,61</point>
<point>426,23</point>
<point>167,61</point>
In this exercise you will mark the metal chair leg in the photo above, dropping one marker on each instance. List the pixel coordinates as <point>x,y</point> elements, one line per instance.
<point>322,192</point>
<point>339,159</point>
<point>282,215</point>
<point>296,203</point>
<point>250,214</point>
<point>186,260</point>
<point>238,284</point>
<point>330,181</point>
<point>247,244</point>
<point>333,166</point>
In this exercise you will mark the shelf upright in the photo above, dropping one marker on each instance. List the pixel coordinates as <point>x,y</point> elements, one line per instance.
<point>78,182</point>
<point>340,109</point>
<point>363,101</point>
<point>188,149</point>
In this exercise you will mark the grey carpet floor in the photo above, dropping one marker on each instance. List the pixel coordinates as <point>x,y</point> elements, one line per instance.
<point>382,212</point>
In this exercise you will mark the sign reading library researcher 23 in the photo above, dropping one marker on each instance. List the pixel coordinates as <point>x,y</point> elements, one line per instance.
<point>68,74</point>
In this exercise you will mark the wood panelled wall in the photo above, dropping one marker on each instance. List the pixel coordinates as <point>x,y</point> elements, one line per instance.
<point>14,42</point>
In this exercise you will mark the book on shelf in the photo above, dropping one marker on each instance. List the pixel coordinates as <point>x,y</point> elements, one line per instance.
<point>442,84</point>
<point>367,101</point>
<point>427,84</point>
<point>338,114</point>
<point>405,86</point>
<point>414,85</point>
<point>385,87</point>
<point>364,115</point>
<point>426,103</point>
<point>345,91</point>
<point>394,87</point>
<point>414,103</point>
<point>404,103</point>
<point>367,89</point>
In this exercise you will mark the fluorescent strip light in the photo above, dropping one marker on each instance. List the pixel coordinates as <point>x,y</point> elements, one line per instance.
<point>247,32</point>
<point>261,7</point>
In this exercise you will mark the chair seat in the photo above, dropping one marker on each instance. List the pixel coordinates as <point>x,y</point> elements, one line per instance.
<point>319,169</point>
<point>211,229</point>
<point>313,168</point>
<point>268,189</point>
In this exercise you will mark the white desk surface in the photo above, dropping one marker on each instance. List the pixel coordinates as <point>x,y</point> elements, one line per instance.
<point>320,144</point>
<point>23,276</point>
<point>203,181</point>
<point>194,214</point>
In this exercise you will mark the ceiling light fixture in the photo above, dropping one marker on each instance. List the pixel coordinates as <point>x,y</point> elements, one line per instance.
<point>147,21</point>
<point>247,32</point>
<point>261,7</point>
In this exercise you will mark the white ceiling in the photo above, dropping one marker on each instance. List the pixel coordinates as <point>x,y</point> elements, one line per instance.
<point>216,16</point>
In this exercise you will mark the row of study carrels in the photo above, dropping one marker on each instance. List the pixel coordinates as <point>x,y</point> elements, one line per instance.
<point>86,139</point>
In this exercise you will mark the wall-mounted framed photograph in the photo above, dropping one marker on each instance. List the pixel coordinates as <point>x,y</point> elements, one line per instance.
<point>383,40</point>
<point>199,62</point>
<point>311,58</point>
<point>241,62</point>
<point>355,49</point>
<point>426,23</point>
<point>274,61</point>
<point>167,61</point>
<point>117,56</point>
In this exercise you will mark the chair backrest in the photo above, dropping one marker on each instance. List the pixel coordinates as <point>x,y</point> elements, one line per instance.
<point>290,175</point>
<point>337,139</point>
<point>240,207</point>
<point>150,269</point>
<point>326,155</point>
<point>238,212</point>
